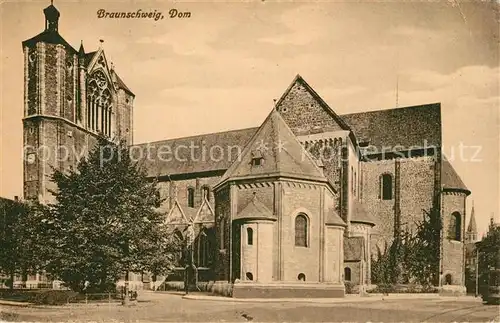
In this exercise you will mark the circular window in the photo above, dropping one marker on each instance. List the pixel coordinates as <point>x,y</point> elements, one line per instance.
<point>32,57</point>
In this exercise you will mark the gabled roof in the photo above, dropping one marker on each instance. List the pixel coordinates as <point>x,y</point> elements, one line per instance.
<point>450,181</point>
<point>360,215</point>
<point>88,57</point>
<point>354,249</point>
<point>281,153</point>
<point>255,210</point>
<point>405,127</point>
<point>119,83</point>
<point>231,141</point>
<point>424,121</point>
<point>50,37</point>
<point>299,81</point>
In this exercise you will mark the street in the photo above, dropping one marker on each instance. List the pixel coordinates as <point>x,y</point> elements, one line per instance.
<point>163,307</point>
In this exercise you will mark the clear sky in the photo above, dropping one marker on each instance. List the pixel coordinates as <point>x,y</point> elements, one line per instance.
<point>221,68</point>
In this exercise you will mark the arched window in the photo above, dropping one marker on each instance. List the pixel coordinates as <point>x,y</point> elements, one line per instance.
<point>455,227</point>
<point>386,187</point>
<point>249,236</point>
<point>190,197</point>
<point>249,276</point>
<point>447,279</point>
<point>301,231</point>
<point>206,193</point>
<point>347,274</point>
<point>301,277</point>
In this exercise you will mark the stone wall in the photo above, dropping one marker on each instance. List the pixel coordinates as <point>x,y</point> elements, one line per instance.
<point>301,198</point>
<point>453,261</point>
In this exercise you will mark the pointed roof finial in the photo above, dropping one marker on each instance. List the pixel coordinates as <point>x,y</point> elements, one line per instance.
<point>101,41</point>
<point>112,66</point>
<point>51,2</point>
<point>472,228</point>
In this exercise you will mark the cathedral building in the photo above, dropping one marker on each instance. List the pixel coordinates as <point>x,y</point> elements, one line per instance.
<point>294,207</point>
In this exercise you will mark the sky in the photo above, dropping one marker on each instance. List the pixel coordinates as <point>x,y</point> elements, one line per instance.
<point>221,68</point>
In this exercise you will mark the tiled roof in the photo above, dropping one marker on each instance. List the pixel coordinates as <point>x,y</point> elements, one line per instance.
<point>48,36</point>
<point>359,214</point>
<point>280,152</point>
<point>88,57</point>
<point>354,249</point>
<point>121,84</point>
<point>180,161</point>
<point>255,210</point>
<point>450,179</point>
<point>332,218</point>
<point>407,127</point>
<point>400,127</point>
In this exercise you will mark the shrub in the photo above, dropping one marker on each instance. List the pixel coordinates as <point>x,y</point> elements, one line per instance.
<point>402,289</point>
<point>19,295</point>
<point>55,297</point>
<point>349,288</point>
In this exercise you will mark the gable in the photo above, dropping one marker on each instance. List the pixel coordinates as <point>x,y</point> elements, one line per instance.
<point>280,152</point>
<point>205,213</point>
<point>176,215</point>
<point>305,112</point>
<point>98,64</point>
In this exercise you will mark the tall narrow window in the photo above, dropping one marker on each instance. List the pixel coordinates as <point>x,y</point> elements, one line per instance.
<point>347,274</point>
<point>190,197</point>
<point>386,187</point>
<point>455,227</point>
<point>355,183</point>
<point>301,231</point>
<point>206,193</point>
<point>249,236</point>
<point>222,234</point>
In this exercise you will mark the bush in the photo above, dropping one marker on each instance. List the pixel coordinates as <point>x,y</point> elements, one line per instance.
<point>55,297</point>
<point>221,288</point>
<point>19,295</point>
<point>349,288</point>
<point>402,289</point>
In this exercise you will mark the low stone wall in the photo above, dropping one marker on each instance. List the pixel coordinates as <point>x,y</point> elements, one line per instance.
<point>287,290</point>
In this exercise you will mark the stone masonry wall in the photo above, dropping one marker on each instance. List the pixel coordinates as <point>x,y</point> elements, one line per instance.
<point>453,251</point>
<point>304,114</point>
<point>301,199</point>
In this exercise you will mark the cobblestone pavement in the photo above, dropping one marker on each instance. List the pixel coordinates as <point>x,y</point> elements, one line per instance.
<point>172,308</point>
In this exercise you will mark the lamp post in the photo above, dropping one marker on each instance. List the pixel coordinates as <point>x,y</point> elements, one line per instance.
<point>477,272</point>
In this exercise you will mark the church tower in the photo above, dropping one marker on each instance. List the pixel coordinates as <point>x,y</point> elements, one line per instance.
<point>471,234</point>
<point>70,98</point>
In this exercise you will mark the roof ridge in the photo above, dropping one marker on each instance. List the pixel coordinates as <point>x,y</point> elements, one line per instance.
<point>392,109</point>
<point>199,135</point>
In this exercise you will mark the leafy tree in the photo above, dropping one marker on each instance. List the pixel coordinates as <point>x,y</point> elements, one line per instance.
<point>21,238</point>
<point>424,249</point>
<point>411,256</point>
<point>489,254</point>
<point>104,223</point>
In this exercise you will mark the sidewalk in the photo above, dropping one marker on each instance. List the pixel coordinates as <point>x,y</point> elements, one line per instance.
<point>350,298</point>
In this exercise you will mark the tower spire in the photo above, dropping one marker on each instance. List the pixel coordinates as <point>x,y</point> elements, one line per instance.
<point>51,17</point>
<point>472,227</point>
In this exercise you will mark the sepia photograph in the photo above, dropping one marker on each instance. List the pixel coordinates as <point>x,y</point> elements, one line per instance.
<point>259,160</point>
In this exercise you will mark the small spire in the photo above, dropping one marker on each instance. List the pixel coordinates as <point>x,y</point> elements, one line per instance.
<point>101,41</point>
<point>112,66</point>
<point>81,51</point>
